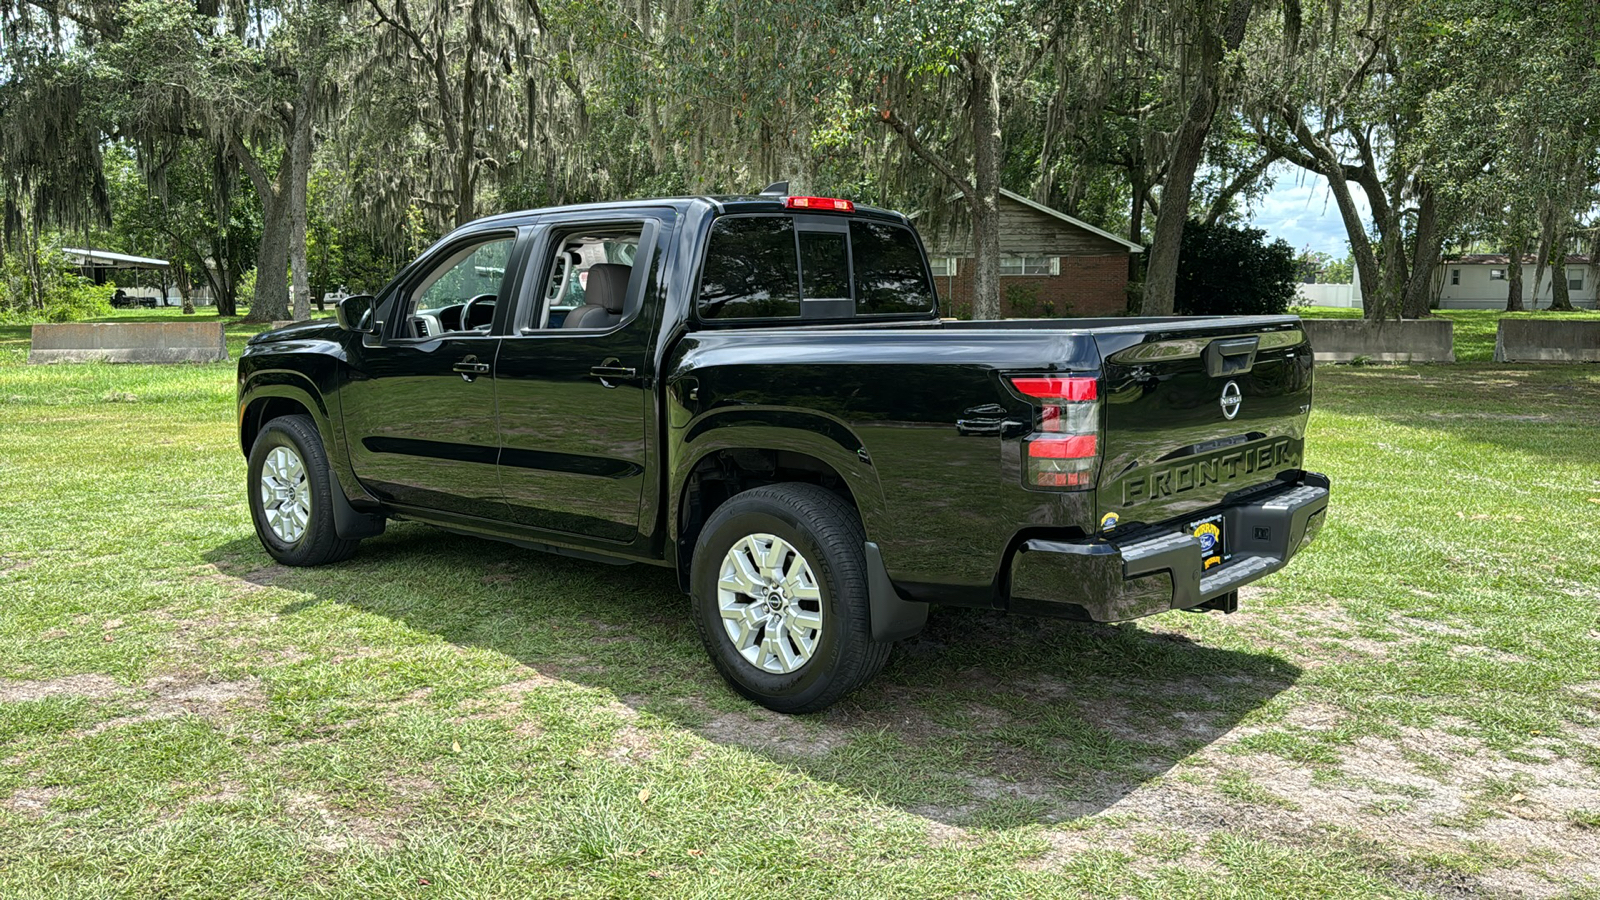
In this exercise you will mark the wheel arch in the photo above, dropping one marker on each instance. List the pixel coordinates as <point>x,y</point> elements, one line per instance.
<point>271,394</point>
<point>717,468</point>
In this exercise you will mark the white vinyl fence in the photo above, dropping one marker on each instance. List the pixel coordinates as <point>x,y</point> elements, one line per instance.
<point>1342,295</point>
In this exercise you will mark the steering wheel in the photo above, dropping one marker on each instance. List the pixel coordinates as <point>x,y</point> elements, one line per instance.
<point>466,313</point>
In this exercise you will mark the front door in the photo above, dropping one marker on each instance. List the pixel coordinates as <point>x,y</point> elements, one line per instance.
<point>419,409</point>
<point>574,392</point>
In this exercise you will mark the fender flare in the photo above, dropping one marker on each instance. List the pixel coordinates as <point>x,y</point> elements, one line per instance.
<point>349,522</point>
<point>811,434</point>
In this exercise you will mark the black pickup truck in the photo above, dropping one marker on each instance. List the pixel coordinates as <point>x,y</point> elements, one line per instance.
<point>758,392</point>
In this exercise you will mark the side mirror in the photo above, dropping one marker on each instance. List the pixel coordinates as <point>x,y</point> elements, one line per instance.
<point>355,313</point>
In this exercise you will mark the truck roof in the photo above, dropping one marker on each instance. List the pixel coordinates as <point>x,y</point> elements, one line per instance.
<point>720,203</point>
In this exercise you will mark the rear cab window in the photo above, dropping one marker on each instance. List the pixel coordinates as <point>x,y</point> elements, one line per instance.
<point>811,268</point>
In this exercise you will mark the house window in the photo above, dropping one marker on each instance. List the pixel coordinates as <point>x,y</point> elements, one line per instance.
<point>1030,265</point>
<point>943,266</point>
<point>1497,274</point>
<point>1455,276</point>
<point>1574,279</point>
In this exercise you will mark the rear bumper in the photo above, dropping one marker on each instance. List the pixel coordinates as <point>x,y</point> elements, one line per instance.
<point>1159,569</point>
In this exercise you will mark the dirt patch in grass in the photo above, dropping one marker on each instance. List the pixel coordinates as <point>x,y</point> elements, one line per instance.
<point>632,744</point>
<point>32,801</point>
<point>1423,807</point>
<point>772,733</point>
<point>249,582</point>
<point>534,683</point>
<point>95,687</point>
<point>165,697</point>
<point>333,829</point>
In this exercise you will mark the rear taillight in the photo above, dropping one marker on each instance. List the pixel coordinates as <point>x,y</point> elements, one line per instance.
<point>1063,451</point>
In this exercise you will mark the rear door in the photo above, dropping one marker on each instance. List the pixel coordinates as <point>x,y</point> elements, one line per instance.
<point>1198,410</point>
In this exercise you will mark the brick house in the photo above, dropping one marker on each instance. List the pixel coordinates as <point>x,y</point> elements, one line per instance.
<point>1051,264</point>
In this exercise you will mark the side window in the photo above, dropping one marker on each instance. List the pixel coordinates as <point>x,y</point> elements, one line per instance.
<point>750,270</point>
<point>459,294</point>
<point>587,274</point>
<point>890,277</point>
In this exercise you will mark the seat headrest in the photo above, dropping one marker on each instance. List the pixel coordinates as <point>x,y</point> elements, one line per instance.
<point>608,286</point>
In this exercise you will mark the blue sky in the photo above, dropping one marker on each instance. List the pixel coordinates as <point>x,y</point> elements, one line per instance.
<point>1301,210</point>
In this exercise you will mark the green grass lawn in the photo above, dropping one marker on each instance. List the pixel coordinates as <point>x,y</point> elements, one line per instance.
<point>1410,709</point>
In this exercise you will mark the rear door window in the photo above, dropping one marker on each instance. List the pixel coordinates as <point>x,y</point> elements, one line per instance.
<point>750,270</point>
<point>816,268</point>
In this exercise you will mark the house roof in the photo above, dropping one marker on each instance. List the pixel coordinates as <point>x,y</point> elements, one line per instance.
<point>1132,247</point>
<point>1057,214</point>
<point>1504,259</point>
<point>105,259</point>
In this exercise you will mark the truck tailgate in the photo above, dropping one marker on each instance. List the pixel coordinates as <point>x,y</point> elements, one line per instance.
<point>1196,412</point>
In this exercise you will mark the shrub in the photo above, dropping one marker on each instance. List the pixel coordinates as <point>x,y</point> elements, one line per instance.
<point>1228,271</point>
<point>51,293</point>
<point>246,288</point>
<point>1023,301</point>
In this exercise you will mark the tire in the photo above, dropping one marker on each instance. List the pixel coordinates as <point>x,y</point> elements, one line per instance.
<point>299,530</point>
<point>825,532</point>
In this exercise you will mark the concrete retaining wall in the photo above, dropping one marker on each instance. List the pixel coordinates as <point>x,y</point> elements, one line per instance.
<point>1406,341</point>
<point>1547,340</point>
<point>134,342</point>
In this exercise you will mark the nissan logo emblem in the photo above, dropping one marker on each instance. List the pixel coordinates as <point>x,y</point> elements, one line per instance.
<point>1231,399</point>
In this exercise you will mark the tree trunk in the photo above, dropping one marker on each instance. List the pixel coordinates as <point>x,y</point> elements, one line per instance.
<point>652,115</point>
<point>1136,220</point>
<point>1560,295</point>
<point>1161,267</point>
<point>1424,256</point>
<point>224,281</point>
<point>466,162</point>
<point>299,178</point>
<point>984,99</point>
<point>271,299</point>
<point>1542,256</point>
<point>185,289</point>
<point>1514,278</point>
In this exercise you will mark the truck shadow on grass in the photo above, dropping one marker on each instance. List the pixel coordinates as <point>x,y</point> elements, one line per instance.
<point>984,720</point>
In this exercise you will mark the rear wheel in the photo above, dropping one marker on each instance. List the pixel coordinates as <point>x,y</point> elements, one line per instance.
<point>780,597</point>
<point>291,495</point>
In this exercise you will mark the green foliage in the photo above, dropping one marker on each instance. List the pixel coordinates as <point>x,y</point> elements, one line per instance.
<point>1317,267</point>
<point>247,283</point>
<point>1338,271</point>
<point>1227,270</point>
<point>1022,301</point>
<point>52,292</point>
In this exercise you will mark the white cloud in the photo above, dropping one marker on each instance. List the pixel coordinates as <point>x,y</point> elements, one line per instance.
<point>1301,210</point>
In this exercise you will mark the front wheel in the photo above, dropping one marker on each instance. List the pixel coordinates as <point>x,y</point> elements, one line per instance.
<point>780,597</point>
<point>291,495</point>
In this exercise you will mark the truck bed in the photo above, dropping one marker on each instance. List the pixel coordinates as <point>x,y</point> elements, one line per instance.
<point>918,420</point>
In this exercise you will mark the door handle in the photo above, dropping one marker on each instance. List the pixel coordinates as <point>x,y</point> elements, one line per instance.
<point>613,369</point>
<point>470,368</point>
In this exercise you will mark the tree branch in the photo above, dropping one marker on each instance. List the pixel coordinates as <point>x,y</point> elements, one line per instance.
<point>252,167</point>
<point>933,159</point>
<point>1248,175</point>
